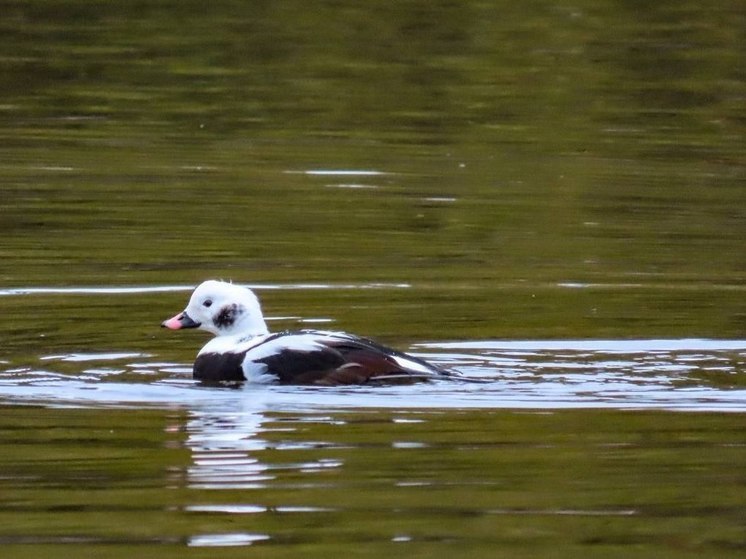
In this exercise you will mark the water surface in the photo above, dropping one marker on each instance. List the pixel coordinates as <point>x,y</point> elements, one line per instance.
<point>542,444</point>
<point>548,199</point>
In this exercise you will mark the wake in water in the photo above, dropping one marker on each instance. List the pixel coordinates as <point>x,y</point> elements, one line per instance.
<point>665,374</point>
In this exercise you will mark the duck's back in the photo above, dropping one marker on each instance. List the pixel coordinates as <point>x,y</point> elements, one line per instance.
<point>311,357</point>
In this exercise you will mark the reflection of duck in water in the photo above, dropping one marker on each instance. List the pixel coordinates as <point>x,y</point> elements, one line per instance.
<point>243,348</point>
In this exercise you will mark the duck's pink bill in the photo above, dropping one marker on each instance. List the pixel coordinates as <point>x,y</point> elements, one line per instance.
<point>174,323</point>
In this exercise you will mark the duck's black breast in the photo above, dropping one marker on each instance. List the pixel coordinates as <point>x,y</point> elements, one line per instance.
<point>216,367</point>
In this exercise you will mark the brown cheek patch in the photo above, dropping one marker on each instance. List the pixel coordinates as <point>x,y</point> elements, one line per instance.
<point>227,315</point>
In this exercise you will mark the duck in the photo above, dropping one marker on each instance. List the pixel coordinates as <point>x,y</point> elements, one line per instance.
<point>244,350</point>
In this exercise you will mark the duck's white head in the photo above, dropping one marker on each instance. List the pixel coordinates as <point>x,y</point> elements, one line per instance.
<point>222,308</point>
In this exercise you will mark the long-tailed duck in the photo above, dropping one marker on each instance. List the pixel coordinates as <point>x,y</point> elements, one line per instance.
<point>244,349</point>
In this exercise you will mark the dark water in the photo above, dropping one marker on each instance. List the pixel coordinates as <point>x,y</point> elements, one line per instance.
<point>549,199</point>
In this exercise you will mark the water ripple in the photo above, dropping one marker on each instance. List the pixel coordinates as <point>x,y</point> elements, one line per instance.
<point>665,374</point>
<point>126,290</point>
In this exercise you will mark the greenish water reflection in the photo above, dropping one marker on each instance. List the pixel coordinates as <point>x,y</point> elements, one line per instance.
<point>425,483</point>
<point>528,170</point>
<point>513,145</point>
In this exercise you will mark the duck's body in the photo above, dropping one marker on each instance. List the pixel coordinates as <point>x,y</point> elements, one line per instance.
<point>244,350</point>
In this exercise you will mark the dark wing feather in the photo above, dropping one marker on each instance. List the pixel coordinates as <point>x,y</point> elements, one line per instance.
<point>294,366</point>
<point>340,359</point>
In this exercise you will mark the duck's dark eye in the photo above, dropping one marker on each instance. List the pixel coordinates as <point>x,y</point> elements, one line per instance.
<point>207,303</point>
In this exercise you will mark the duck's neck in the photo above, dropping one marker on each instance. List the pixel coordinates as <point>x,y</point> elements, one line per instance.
<point>233,342</point>
<point>246,337</point>
<point>249,327</point>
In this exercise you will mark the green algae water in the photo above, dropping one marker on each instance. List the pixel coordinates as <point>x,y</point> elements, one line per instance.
<point>548,199</point>
<point>235,481</point>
